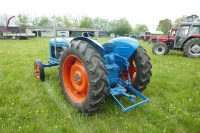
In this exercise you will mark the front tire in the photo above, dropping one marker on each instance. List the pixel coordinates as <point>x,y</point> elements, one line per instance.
<point>39,70</point>
<point>160,49</point>
<point>192,48</point>
<point>83,76</point>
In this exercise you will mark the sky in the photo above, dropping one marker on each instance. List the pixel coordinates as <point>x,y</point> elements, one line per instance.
<point>148,12</point>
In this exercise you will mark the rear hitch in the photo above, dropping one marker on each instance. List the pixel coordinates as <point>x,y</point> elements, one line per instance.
<point>121,91</point>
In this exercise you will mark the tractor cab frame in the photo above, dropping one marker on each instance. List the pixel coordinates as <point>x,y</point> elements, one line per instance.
<point>187,31</point>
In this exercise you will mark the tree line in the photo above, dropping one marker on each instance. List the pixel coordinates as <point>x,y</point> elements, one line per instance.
<point>166,24</point>
<point>119,26</point>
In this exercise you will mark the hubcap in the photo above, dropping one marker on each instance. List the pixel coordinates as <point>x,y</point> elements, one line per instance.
<point>37,72</point>
<point>75,78</point>
<point>160,50</point>
<point>195,49</point>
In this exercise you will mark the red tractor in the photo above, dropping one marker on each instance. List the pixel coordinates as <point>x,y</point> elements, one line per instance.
<point>164,39</point>
<point>187,39</point>
<point>145,36</point>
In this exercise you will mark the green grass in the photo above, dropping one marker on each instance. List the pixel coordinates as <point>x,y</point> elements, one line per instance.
<point>28,105</point>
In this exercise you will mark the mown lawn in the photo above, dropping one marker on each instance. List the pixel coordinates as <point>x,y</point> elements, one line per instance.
<point>28,105</point>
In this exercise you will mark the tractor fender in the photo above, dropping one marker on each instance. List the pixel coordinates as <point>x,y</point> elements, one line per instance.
<point>181,42</point>
<point>94,43</point>
<point>124,46</point>
<point>182,45</point>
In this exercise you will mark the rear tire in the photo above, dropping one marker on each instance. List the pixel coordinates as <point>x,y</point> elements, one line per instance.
<point>160,49</point>
<point>192,48</point>
<point>139,69</point>
<point>39,70</point>
<point>83,76</point>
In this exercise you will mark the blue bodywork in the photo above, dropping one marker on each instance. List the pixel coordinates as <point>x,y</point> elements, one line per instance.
<point>61,44</point>
<point>115,53</point>
<point>122,46</point>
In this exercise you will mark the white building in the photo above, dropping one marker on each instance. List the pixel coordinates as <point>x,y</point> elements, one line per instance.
<point>41,31</point>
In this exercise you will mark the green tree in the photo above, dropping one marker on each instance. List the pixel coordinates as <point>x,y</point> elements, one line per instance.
<point>3,19</point>
<point>140,28</point>
<point>121,26</point>
<point>192,18</point>
<point>66,22</point>
<point>178,20</point>
<point>86,22</point>
<point>58,20</point>
<point>164,25</point>
<point>100,23</point>
<point>133,31</point>
<point>23,19</point>
<point>75,22</point>
<point>35,21</point>
<point>44,21</point>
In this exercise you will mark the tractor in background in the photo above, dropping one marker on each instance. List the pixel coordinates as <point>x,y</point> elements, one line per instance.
<point>134,36</point>
<point>187,39</point>
<point>169,39</point>
<point>145,36</point>
<point>89,71</point>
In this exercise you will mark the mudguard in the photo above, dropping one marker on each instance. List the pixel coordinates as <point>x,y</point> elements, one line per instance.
<point>94,43</point>
<point>123,46</point>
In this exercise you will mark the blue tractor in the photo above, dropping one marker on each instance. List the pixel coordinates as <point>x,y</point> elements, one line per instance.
<point>89,71</point>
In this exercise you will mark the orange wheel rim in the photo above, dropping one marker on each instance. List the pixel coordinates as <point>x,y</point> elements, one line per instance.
<point>75,78</point>
<point>37,71</point>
